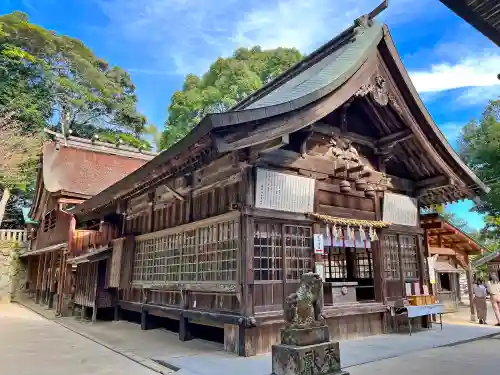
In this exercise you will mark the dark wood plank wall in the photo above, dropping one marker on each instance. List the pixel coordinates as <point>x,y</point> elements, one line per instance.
<point>53,230</point>
<point>269,296</point>
<point>85,284</point>
<point>216,189</point>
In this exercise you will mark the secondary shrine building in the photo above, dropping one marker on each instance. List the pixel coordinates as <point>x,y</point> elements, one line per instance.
<point>71,170</point>
<point>323,169</point>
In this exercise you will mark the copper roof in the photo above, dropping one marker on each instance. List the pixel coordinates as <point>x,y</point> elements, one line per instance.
<point>83,171</point>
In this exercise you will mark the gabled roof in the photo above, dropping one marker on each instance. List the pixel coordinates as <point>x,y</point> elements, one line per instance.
<point>488,257</point>
<point>484,15</point>
<point>74,170</point>
<point>287,104</point>
<point>438,228</point>
<point>77,167</point>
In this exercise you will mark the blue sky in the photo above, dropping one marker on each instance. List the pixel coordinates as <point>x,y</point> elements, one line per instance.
<point>159,41</point>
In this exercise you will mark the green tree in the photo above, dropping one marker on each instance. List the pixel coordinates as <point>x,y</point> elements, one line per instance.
<point>228,81</point>
<point>77,90</point>
<point>55,81</point>
<point>19,151</point>
<point>480,149</point>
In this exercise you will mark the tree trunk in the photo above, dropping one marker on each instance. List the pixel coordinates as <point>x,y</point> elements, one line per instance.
<point>3,203</point>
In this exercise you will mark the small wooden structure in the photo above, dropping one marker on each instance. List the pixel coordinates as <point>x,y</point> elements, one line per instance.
<point>323,169</point>
<point>71,171</point>
<point>491,259</point>
<point>451,249</point>
<point>484,15</point>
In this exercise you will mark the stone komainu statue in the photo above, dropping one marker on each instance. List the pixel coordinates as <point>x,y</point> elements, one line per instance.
<point>303,308</point>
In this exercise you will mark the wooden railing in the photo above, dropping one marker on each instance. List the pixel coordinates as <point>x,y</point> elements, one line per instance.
<point>14,235</point>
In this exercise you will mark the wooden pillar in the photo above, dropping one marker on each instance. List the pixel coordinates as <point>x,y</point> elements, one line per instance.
<point>377,255</point>
<point>118,312</point>
<point>51,280</point>
<point>41,260</point>
<point>246,242</point>
<point>401,270</point>
<point>469,289</point>
<point>184,329</point>
<point>65,270</point>
<point>144,321</point>
<point>45,277</point>
<point>62,280</point>
<point>29,282</point>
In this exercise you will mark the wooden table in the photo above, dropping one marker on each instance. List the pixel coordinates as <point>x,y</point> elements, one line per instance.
<point>417,311</point>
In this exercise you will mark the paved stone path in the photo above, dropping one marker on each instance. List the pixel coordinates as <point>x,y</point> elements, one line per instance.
<point>199,357</point>
<point>32,345</point>
<point>478,357</point>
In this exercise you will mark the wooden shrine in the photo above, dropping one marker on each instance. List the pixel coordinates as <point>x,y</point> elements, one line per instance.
<point>71,170</point>
<point>323,169</point>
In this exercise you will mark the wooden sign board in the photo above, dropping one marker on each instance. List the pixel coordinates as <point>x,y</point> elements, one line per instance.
<point>284,192</point>
<point>400,209</point>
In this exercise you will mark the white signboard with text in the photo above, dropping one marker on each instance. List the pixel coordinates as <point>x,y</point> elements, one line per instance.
<point>284,192</point>
<point>319,245</point>
<point>400,209</point>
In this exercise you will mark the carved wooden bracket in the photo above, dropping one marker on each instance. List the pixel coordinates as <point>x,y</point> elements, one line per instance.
<point>379,93</point>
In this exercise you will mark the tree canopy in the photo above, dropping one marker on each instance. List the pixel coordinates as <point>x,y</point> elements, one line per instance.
<point>480,149</point>
<point>228,81</point>
<point>47,77</point>
<point>55,81</point>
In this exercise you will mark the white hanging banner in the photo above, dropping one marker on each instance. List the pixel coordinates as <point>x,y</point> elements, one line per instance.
<point>319,245</point>
<point>431,262</point>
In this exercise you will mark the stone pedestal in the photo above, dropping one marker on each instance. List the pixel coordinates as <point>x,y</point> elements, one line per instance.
<point>306,351</point>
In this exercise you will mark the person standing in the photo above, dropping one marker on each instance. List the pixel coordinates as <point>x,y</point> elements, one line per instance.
<point>493,287</point>
<point>480,293</point>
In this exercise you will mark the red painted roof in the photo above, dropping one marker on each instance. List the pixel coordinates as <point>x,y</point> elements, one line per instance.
<point>83,171</point>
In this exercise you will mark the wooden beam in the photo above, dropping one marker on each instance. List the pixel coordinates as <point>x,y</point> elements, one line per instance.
<point>438,225</point>
<point>394,138</point>
<point>437,181</point>
<point>174,192</point>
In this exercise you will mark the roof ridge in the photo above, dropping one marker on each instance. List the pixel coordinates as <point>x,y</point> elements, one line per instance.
<point>363,22</point>
<point>102,147</point>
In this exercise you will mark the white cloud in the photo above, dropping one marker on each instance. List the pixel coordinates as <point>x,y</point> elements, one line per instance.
<point>479,95</point>
<point>475,71</point>
<point>184,36</point>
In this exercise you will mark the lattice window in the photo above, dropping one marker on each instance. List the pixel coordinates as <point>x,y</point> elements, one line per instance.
<point>138,261</point>
<point>207,258</point>
<point>203,254</point>
<point>268,252</point>
<point>298,250</point>
<point>335,263</point>
<point>228,235</point>
<point>391,257</point>
<point>364,265</point>
<point>409,256</point>
<point>188,268</point>
<point>148,260</point>
<point>49,221</point>
<point>173,256</point>
<point>160,269</point>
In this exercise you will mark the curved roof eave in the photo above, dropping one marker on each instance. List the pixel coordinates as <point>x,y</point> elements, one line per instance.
<point>354,56</point>
<point>236,117</point>
<point>421,106</point>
